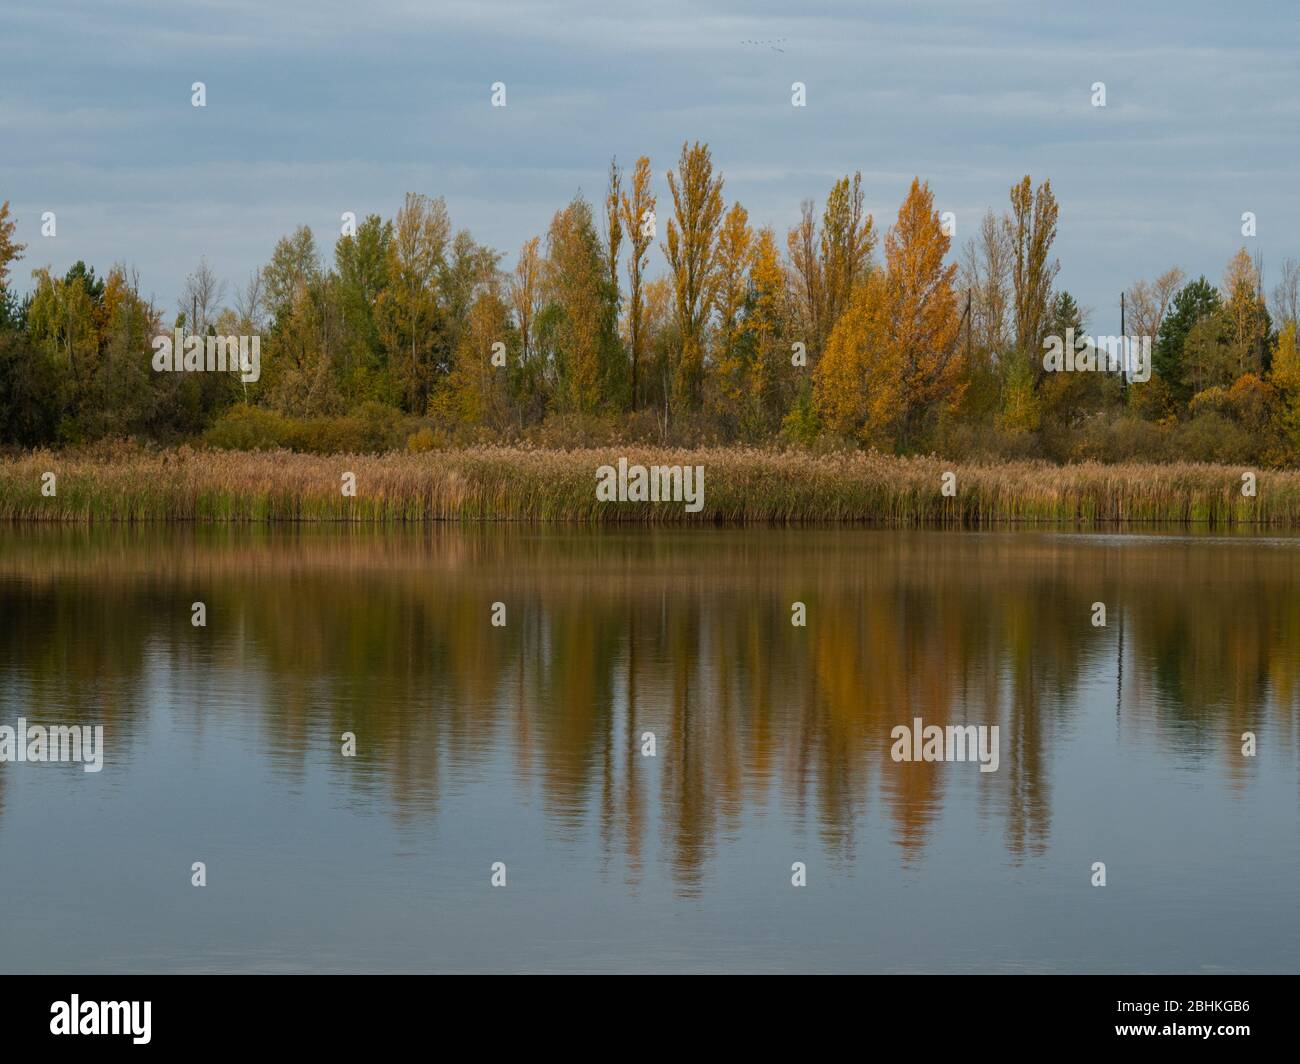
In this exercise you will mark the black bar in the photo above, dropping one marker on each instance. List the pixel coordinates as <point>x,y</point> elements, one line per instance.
<point>471,1015</point>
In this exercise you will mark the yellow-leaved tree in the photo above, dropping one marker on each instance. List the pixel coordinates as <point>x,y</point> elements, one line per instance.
<point>691,251</point>
<point>1244,310</point>
<point>852,390</point>
<point>10,250</point>
<point>476,390</point>
<point>893,366</point>
<point>1285,377</point>
<point>731,352</point>
<point>771,376</point>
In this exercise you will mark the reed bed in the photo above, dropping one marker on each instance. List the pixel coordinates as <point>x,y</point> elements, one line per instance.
<point>519,484</point>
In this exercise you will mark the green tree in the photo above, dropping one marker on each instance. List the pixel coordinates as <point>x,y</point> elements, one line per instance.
<point>295,263</point>
<point>360,264</point>
<point>1194,301</point>
<point>407,309</point>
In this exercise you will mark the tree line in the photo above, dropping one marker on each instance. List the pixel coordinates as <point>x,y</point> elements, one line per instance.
<point>830,334</point>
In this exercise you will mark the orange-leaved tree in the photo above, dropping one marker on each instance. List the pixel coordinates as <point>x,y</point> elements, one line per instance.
<point>893,365</point>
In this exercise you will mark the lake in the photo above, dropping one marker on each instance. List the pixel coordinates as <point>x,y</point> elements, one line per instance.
<point>647,752</point>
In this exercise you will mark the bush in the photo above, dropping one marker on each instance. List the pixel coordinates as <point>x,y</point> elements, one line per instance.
<point>566,432</point>
<point>423,441</point>
<point>1106,438</point>
<point>248,428</point>
<point>372,428</point>
<point>1212,437</point>
<point>801,425</point>
<point>989,442</point>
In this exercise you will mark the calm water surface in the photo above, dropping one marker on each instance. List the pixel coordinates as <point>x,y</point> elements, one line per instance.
<point>522,744</point>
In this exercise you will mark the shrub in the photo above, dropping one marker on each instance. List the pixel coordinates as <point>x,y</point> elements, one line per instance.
<point>1211,437</point>
<point>372,428</point>
<point>247,428</point>
<point>421,442</point>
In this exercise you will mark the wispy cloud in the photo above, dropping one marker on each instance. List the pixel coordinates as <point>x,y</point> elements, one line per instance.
<point>319,107</point>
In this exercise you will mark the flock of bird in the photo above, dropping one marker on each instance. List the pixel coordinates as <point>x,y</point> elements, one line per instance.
<point>768,44</point>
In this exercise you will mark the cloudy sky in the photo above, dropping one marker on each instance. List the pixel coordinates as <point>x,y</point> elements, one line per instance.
<point>323,106</point>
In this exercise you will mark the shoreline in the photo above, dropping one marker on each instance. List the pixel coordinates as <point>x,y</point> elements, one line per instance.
<point>533,486</point>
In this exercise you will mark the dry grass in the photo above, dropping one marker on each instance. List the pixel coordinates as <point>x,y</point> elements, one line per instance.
<point>516,484</point>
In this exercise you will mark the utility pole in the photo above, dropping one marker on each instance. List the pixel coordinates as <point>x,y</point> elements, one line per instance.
<point>1123,347</point>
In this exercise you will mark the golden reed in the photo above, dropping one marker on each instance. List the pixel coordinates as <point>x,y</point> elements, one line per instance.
<point>124,484</point>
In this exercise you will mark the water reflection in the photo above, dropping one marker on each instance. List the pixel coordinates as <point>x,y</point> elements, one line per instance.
<point>687,635</point>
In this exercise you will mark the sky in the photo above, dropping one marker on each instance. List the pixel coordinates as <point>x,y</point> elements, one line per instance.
<point>316,108</point>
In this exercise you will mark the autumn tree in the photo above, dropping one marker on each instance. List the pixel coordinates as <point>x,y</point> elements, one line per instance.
<point>985,278</point>
<point>691,251</point>
<point>847,239</point>
<point>1030,230</point>
<point>857,384</point>
<point>466,269</point>
<point>1284,374</point>
<point>771,376</point>
<point>827,262</point>
<point>1149,302</point>
<point>295,263</point>
<point>986,274</point>
<point>735,255</point>
<point>924,314</point>
<point>637,216</point>
<point>407,310</point>
<point>662,346</point>
<point>1246,314</point>
<point>806,282</point>
<point>200,299</point>
<point>250,303</point>
<point>526,293</point>
<point>299,365</point>
<point>10,250</point>
<point>893,366</point>
<point>585,340</point>
<point>477,391</point>
<point>1286,293</point>
<point>61,324</point>
<point>613,223</point>
<point>130,399</point>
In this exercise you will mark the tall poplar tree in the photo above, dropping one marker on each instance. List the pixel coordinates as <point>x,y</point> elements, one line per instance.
<point>692,257</point>
<point>637,214</point>
<point>1031,229</point>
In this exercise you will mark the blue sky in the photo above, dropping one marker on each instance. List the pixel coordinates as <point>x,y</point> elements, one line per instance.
<point>315,108</point>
